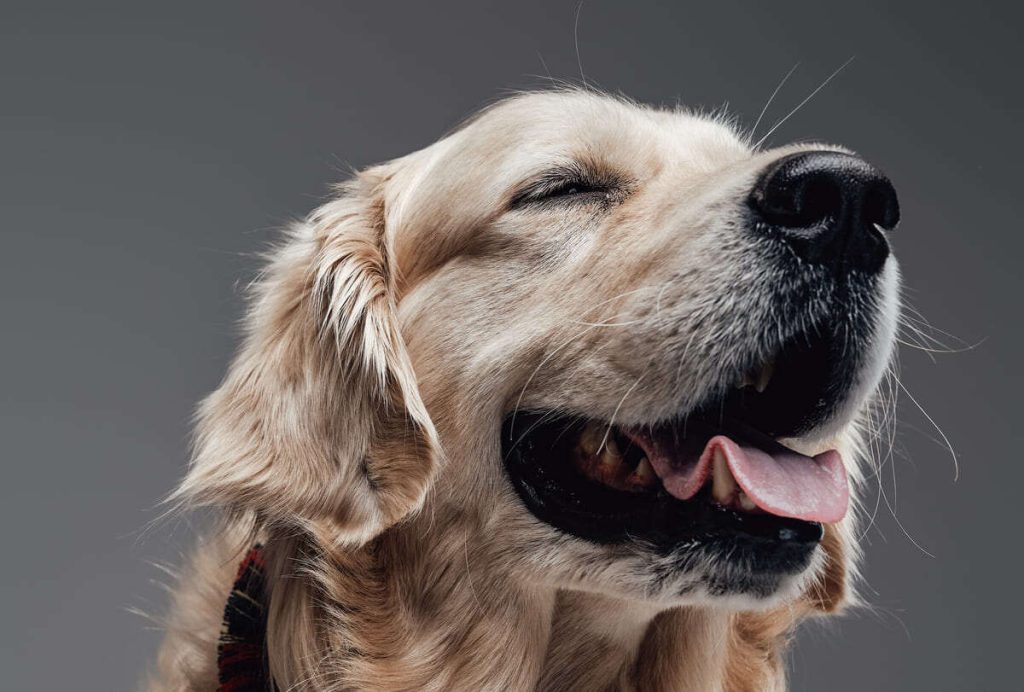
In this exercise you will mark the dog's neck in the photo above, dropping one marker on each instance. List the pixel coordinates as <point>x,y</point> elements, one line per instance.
<point>488,631</point>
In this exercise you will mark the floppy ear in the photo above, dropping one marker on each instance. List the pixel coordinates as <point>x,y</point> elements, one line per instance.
<point>319,422</point>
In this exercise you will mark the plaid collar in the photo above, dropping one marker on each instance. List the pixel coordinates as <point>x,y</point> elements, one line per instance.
<point>241,648</point>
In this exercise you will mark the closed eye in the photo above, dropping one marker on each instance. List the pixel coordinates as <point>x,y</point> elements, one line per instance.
<point>572,188</point>
<point>564,186</point>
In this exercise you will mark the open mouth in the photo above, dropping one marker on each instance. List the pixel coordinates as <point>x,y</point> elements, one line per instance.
<point>716,478</point>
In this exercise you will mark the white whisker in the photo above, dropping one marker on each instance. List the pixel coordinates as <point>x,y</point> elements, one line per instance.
<point>771,98</point>
<point>800,105</point>
<point>576,41</point>
<point>949,446</point>
<point>549,356</point>
<point>611,421</point>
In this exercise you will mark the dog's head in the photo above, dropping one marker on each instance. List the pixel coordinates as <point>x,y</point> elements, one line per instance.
<point>633,349</point>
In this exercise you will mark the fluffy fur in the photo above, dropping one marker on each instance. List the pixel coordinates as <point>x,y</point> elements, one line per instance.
<point>357,431</point>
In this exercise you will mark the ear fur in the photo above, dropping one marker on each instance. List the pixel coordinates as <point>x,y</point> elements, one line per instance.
<point>319,422</point>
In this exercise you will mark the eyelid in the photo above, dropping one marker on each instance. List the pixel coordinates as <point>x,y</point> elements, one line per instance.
<point>551,181</point>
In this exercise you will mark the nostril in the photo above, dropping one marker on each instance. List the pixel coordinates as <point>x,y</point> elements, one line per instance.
<point>797,199</point>
<point>818,199</point>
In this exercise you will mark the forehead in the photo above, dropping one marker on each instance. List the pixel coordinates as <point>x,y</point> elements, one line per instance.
<point>438,197</point>
<point>535,129</point>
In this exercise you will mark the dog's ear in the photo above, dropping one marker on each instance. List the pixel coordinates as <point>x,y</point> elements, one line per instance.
<point>319,422</point>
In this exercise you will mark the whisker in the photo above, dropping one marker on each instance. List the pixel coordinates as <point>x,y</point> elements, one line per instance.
<point>550,415</point>
<point>576,41</point>
<point>943,348</point>
<point>949,446</point>
<point>911,315</point>
<point>544,64</point>
<point>541,364</point>
<point>771,98</point>
<point>549,356</point>
<point>802,103</point>
<point>903,529</point>
<point>611,421</point>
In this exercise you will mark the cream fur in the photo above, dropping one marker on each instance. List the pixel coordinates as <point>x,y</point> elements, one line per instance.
<point>356,432</point>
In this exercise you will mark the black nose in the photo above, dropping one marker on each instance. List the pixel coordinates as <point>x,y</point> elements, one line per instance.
<point>831,208</point>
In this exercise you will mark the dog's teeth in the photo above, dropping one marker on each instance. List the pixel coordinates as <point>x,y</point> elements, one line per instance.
<point>765,376</point>
<point>723,485</point>
<point>758,379</point>
<point>610,456</point>
<point>591,438</point>
<point>644,471</point>
<point>745,502</point>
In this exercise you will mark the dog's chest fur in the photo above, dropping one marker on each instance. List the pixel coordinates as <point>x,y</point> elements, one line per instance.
<point>438,624</point>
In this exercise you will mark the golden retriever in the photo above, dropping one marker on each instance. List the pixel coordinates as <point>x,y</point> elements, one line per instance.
<point>568,400</point>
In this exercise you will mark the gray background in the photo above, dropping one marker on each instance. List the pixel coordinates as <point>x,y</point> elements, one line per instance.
<point>147,153</point>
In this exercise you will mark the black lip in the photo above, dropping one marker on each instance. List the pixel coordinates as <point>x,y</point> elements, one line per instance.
<point>537,448</point>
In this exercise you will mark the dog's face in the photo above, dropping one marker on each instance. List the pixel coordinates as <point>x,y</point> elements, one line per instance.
<point>620,343</point>
<point>615,313</point>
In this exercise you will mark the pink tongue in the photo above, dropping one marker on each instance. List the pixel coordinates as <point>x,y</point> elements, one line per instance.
<point>781,482</point>
<point>787,483</point>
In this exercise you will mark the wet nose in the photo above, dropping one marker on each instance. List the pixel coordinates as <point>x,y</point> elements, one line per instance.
<point>832,209</point>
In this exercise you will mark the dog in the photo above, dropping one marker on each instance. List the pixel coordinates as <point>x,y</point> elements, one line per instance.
<point>574,398</point>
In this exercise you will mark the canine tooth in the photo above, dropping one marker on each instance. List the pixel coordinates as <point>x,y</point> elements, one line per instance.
<point>765,376</point>
<point>644,471</point>
<point>745,502</point>
<point>610,454</point>
<point>723,485</point>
